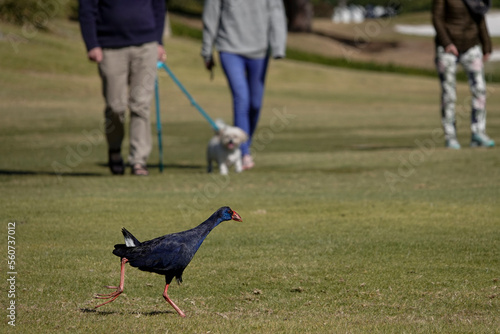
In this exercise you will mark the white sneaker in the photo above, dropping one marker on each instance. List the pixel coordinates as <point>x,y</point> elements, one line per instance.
<point>453,144</point>
<point>481,140</point>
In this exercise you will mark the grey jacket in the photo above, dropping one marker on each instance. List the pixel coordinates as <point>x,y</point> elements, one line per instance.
<point>245,27</point>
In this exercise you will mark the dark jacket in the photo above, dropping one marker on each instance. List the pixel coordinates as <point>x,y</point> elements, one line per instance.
<point>121,23</point>
<point>455,24</point>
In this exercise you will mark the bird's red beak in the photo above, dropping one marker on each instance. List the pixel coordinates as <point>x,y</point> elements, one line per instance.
<point>236,217</point>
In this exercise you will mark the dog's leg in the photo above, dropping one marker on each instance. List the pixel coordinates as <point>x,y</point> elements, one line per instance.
<point>223,168</point>
<point>238,166</point>
<point>209,165</point>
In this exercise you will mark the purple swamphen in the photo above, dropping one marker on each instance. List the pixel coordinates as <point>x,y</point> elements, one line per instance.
<point>168,255</point>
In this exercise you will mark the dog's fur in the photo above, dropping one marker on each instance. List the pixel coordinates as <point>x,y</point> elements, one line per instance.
<point>224,148</point>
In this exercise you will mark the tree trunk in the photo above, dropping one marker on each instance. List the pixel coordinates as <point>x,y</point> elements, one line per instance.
<point>299,14</point>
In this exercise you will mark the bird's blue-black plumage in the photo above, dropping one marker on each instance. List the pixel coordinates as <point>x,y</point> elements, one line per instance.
<point>170,254</point>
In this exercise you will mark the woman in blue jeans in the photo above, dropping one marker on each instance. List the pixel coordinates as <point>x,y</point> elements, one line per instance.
<point>245,33</point>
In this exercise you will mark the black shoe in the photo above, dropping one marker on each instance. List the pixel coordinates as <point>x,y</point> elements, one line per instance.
<point>115,162</point>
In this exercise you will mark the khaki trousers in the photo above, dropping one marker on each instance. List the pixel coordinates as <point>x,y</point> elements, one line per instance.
<point>128,78</point>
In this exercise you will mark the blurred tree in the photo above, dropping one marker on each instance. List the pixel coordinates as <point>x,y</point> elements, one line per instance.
<point>31,13</point>
<point>299,14</point>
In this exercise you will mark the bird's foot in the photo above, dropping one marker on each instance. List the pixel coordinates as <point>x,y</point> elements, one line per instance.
<point>111,296</point>
<point>171,302</point>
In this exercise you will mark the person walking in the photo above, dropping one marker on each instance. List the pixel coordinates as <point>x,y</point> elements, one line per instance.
<point>125,39</point>
<point>246,34</point>
<point>462,37</point>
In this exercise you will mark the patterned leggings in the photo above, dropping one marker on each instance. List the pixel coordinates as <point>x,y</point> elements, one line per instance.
<point>472,62</point>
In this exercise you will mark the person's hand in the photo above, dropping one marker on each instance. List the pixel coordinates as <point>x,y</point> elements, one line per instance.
<point>486,57</point>
<point>209,64</point>
<point>95,54</point>
<point>162,54</point>
<point>451,48</point>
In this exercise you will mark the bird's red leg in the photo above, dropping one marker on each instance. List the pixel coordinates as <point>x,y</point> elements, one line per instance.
<point>165,295</point>
<point>119,289</point>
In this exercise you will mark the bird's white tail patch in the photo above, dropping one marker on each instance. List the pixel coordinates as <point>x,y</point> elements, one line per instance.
<point>129,242</point>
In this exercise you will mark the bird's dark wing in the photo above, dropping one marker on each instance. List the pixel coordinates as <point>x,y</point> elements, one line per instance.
<point>161,255</point>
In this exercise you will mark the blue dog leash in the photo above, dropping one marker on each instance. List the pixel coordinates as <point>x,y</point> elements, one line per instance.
<point>158,125</point>
<point>190,98</point>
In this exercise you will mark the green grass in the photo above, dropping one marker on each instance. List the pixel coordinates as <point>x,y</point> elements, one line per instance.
<point>351,225</point>
<point>360,65</point>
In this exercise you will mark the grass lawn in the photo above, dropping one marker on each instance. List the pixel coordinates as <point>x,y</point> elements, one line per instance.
<point>355,218</point>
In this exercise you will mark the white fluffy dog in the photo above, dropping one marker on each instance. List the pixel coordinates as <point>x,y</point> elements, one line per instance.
<point>224,148</point>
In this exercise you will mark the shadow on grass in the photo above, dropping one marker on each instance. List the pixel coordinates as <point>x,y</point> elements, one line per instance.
<point>32,172</point>
<point>13,172</point>
<point>308,147</point>
<point>153,313</point>
<point>366,45</point>
<point>96,312</point>
<point>106,313</point>
<point>171,166</point>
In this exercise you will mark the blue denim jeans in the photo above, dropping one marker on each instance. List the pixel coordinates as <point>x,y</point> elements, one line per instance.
<point>246,77</point>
